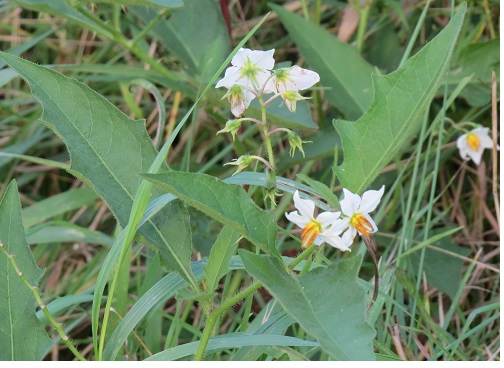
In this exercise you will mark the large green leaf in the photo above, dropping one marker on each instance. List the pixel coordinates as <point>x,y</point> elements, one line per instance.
<point>327,302</point>
<point>400,100</point>
<point>22,336</point>
<point>226,203</point>
<point>108,150</point>
<point>346,74</point>
<point>191,32</point>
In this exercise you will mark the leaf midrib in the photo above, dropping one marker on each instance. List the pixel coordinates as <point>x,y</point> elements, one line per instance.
<point>182,268</point>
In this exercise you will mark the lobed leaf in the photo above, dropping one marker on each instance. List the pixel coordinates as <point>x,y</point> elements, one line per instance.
<point>400,100</point>
<point>22,335</point>
<point>327,302</point>
<point>226,203</point>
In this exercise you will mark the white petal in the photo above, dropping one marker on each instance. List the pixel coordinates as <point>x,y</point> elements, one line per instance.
<point>462,141</point>
<point>475,155</point>
<point>371,221</point>
<point>334,241</point>
<point>298,219</point>
<point>263,80</point>
<point>241,57</point>
<point>289,105</point>
<point>304,206</point>
<point>327,218</point>
<point>348,236</point>
<point>230,77</point>
<point>270,86</point>
<point>485,141</point>
<point>318,240</point>
<point>370,200</point>
<point>303,78</point>
<point>339,225</point>
<point>262,59</point>
<point>350,203</point>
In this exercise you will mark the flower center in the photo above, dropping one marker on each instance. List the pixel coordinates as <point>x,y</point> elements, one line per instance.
<point>249,70</point>
<point>310,233</point>
<point>473,141</point>
<point>362,224</point>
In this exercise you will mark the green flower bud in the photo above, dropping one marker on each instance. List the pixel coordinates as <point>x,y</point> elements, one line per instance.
<point>232,127</point>
<point>242,162</point>
<point>296,142</point>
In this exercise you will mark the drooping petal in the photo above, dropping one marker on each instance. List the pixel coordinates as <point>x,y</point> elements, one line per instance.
<point>350,203</point>
<point>326,219</point>
<point>462,141</point>
<point>348,236</point>
<point>334,241</point>
<point>304,206</point>
<point>371,221</point>
<point>303,78</point>
<point>298,219</point>
<point>370,200</point>
<point>484,138</point>
<point>475,155</point>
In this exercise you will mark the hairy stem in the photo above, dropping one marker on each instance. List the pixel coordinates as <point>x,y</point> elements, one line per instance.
<point>42,306</point>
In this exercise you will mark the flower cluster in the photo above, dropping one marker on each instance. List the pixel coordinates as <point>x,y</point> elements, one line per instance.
<point>472,144</point>
<point>329,227</point>
<point>252,75</point>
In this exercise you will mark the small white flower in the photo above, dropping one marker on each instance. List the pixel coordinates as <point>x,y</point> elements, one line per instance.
<point>356,213</point>
<point>472,144</point>
<point>294,79</point>
<point>250,69</point>
<point>325,228</point>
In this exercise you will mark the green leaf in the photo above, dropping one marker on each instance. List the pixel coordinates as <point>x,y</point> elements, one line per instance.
<point>280,116</point>
<point>230,341</point>
<point>57,204</point>
<point>340,66</point>
<point>226,203</point>
<point>218,261</point>
<point>400,100</point>
<point>100,140</point>
<point>22,336</point>
<point>62,231</point>
<point>327,302</point>
<point>442,270</point>
<point>191,31</point>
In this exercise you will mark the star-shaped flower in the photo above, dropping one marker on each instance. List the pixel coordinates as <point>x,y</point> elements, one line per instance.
<point>250,69</point>
<point>326,227</point>
<point>472,144</point>
<point>356,213</point>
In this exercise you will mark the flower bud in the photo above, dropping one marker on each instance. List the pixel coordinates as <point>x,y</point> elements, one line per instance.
<point>295,141</point>
<point>232,127</point>
<point>242,162</point>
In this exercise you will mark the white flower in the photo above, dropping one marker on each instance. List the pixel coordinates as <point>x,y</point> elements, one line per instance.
<point>325,228</point>
<point>239,98</point>
<point>250,69</point>
<point>294,79</point>
<point>356,213</point>
<point>472,144</point>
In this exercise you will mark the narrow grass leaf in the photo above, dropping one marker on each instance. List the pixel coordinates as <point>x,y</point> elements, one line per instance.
<point>22,336</point>
<point>327,302</point>
<point>230,341</point>
<point>400,100</point>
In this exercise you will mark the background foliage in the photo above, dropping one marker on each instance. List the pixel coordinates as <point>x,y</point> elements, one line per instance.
<point>439,221</point>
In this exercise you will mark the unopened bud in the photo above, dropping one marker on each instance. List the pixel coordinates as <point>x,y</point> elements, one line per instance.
<point>296,142</point>
<point>242,162</point>
<point>232,127</point>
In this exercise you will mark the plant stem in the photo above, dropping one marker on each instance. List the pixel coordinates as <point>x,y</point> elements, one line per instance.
<point>363,18</point>
<point>220,310</point>
<point>42,306</point>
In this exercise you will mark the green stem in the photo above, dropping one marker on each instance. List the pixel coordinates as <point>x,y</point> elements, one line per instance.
<point>363,18</point>
<point>219,311</point>
<point>42,306</point>
<point>149,26</point>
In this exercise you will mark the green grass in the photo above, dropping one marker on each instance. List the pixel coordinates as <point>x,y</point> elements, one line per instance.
<point>438,301</point>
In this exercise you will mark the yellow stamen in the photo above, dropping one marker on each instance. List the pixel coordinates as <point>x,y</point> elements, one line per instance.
<point>310,233</point>
<point>362,224</point>
<point>473,141</point>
